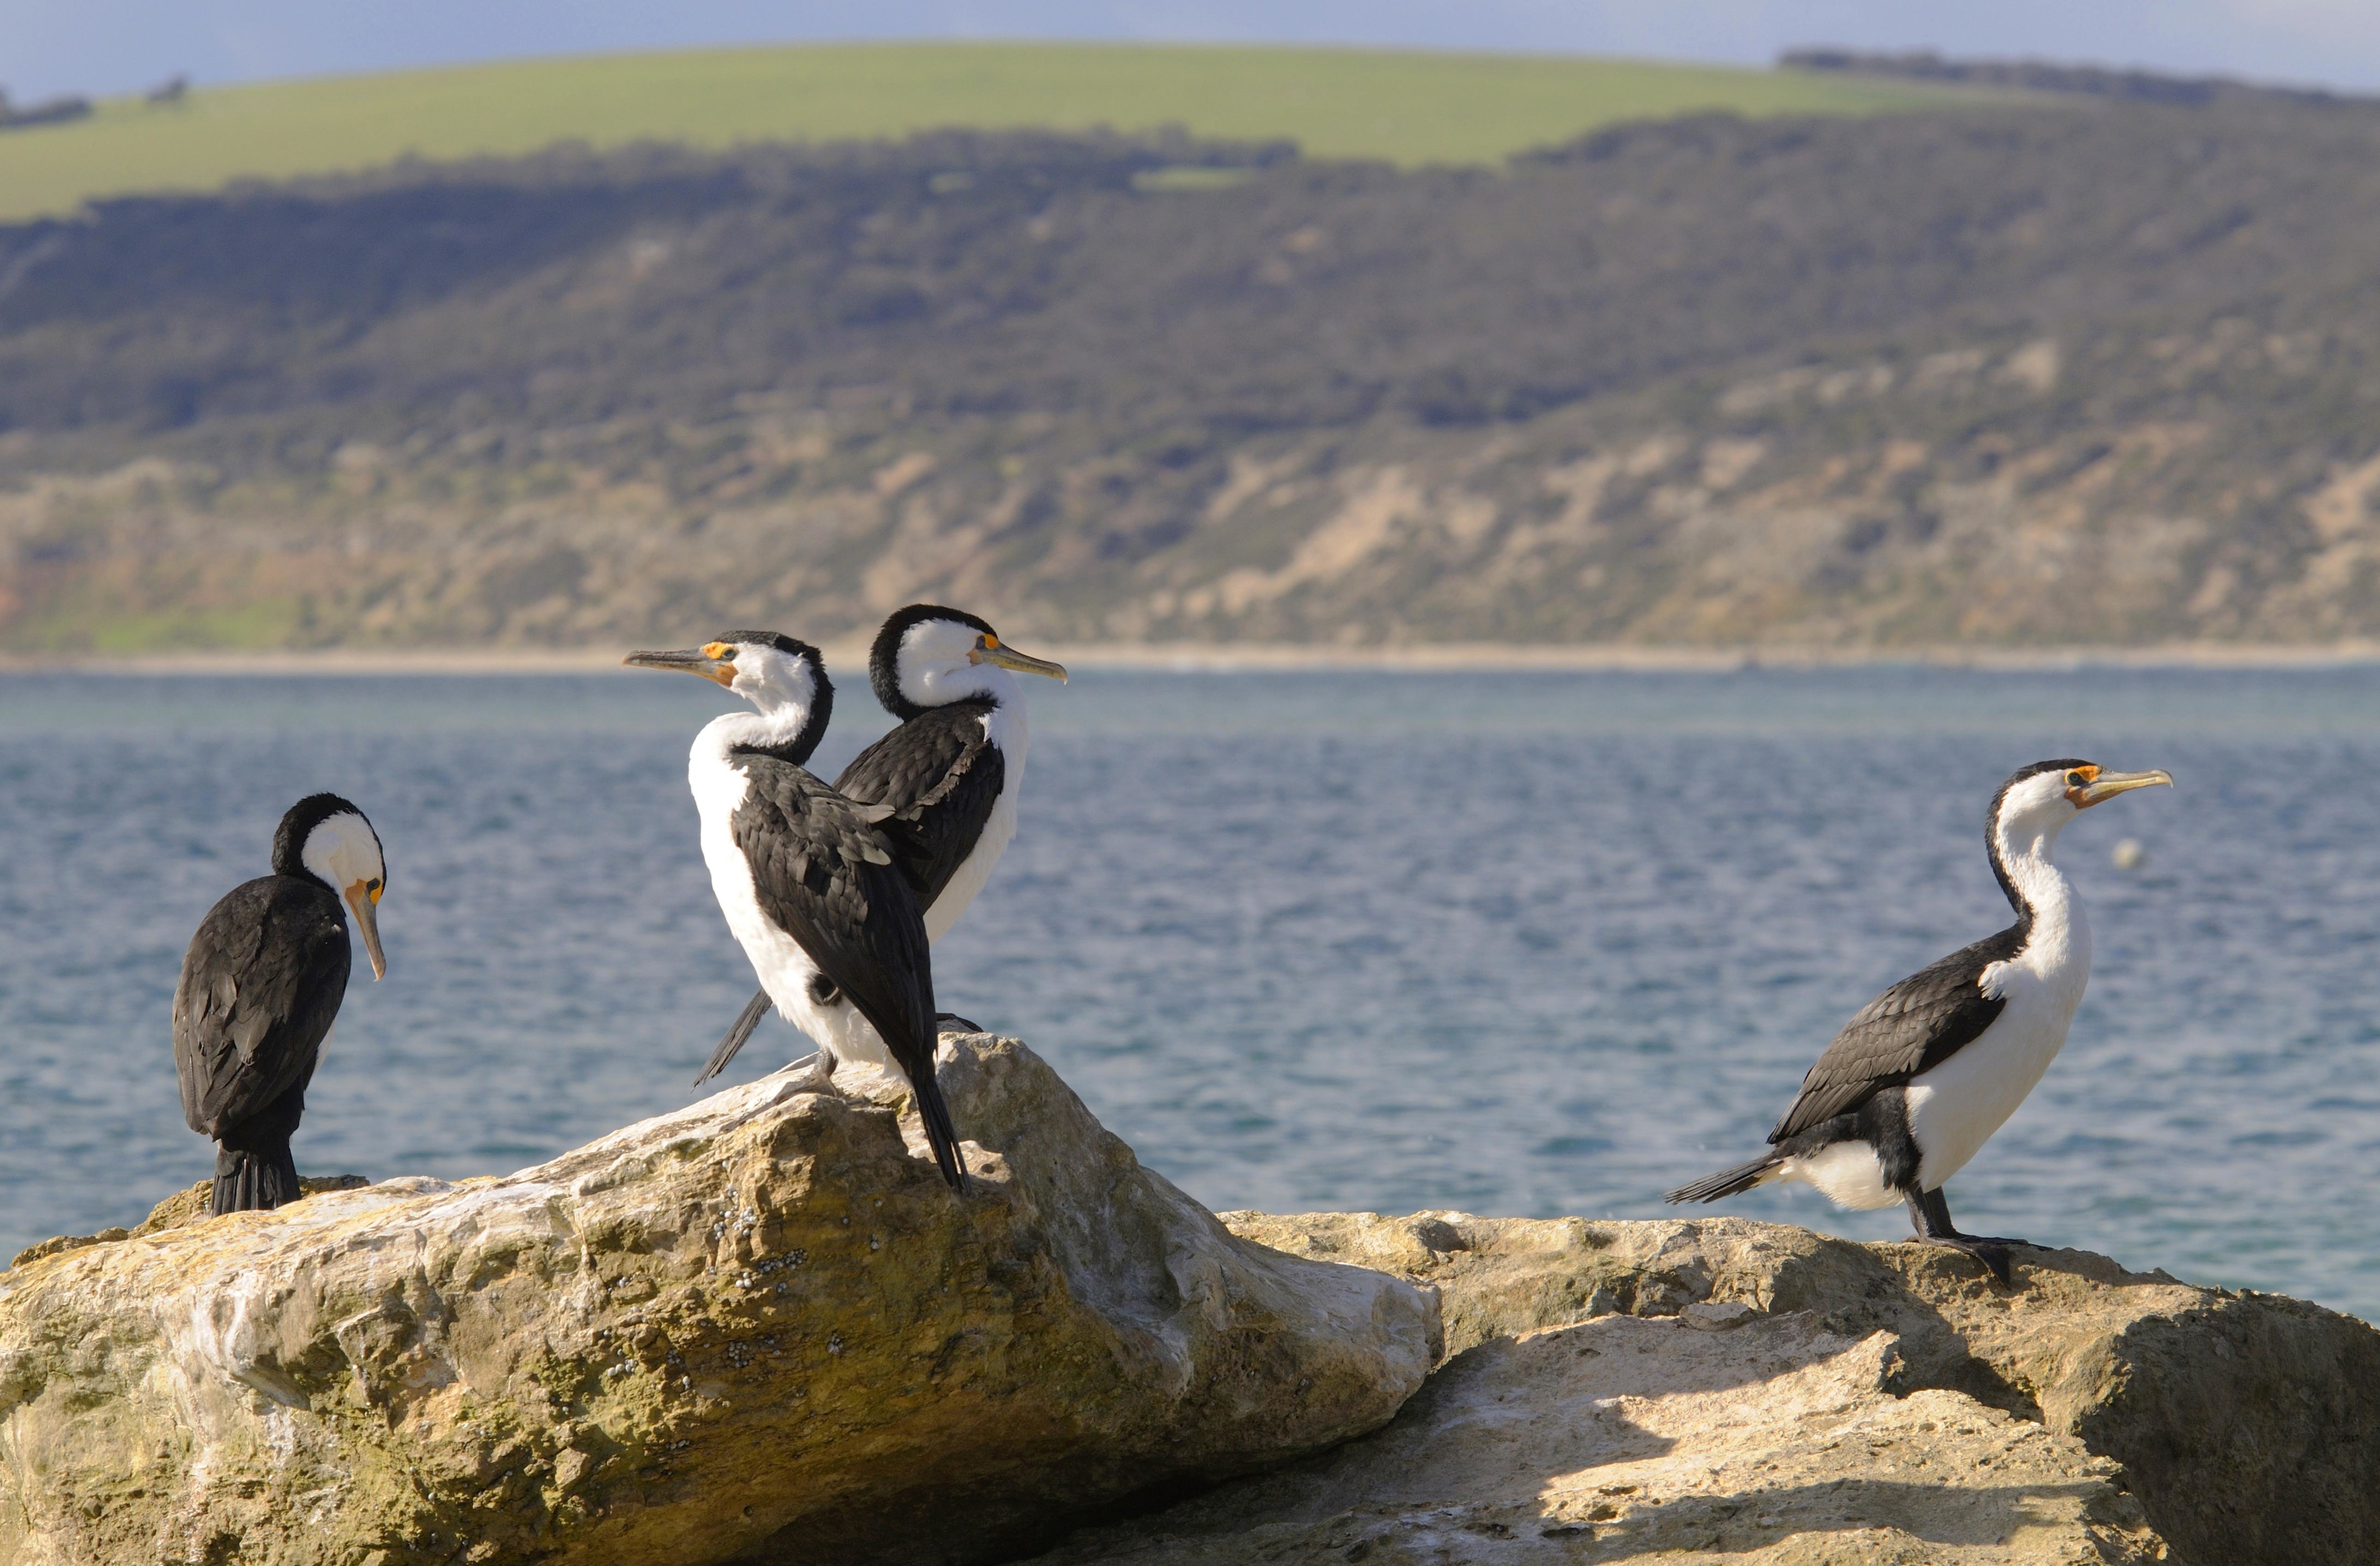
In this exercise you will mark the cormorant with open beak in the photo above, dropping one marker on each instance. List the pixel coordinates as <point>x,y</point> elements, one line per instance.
<point>950,771</point>
<point>1918,1081</point>
<point>807,877</point>
<point>261,986</point>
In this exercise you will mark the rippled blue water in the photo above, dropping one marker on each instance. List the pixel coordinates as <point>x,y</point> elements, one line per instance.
<point>1526,943</point>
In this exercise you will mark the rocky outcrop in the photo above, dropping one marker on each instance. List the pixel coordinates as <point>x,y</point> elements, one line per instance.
<point>183,1207</point>
<point>1624,1439</point>
<point>1688,1390</point>
<point>760,1328</point>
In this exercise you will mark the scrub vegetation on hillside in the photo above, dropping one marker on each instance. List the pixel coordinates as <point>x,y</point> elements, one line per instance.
<point>2105,372</point>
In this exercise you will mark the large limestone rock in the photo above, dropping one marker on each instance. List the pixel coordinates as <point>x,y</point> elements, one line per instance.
<point>1718,1389</point>
<point>759,1329</point>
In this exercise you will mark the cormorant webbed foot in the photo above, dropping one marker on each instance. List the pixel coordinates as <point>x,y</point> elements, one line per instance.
<point>1993,1254</point>
<point>1930,1214</point>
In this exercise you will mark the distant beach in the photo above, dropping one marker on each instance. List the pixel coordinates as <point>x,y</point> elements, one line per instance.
<point>1225,658</point>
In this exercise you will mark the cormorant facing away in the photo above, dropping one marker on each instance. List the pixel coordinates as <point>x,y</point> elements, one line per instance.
<point>807,877</point>
<point>1918,1081</point>
<point>261,986</point>
<point>951,772</point>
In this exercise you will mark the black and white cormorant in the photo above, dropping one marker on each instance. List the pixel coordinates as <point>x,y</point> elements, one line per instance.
<point>1918,1081</point>
<point>261,986</point>
<point>807,877</point>
<point>950,771</point>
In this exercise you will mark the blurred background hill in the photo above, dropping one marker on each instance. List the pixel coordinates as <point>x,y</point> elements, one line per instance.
<point>1403,107</point>
<point>1357,350</point>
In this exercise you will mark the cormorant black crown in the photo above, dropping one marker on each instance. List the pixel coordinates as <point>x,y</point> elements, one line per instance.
<point>298,824</point>
<point>884,657</point>
<point>787,645</point>
<point>797,750</point>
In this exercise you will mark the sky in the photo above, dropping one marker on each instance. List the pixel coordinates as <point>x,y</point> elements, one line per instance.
<point>108,46</point>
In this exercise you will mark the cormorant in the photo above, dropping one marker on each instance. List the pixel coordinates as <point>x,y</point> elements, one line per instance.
<point>950,771</point>
<point>1918,1081</point>
<point>261,986</point>
<point>807,877</point>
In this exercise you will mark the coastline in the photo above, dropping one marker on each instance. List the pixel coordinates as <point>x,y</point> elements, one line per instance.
<point>1438,658</point>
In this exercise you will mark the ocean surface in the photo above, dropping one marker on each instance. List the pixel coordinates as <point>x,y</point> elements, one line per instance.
<point>1516,943</point>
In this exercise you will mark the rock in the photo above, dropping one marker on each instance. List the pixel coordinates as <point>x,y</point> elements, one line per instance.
<point>58,1243</point>
<point>1626,1439</point>
<point>182,1206</point>
<point>1717,1316</point>
<point>1867,1403</point>
<point>759,1329</point>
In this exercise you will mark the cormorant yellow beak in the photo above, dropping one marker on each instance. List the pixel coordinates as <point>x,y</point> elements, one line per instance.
<point>2106,785</point>
<point>991,650</point>
<point>363,896</point>
<point>714,661</point>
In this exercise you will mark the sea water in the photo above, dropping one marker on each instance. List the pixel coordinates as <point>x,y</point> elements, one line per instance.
<point>1526,943</point>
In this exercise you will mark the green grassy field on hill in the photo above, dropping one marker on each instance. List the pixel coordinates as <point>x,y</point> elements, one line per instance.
<point>1409,108</point>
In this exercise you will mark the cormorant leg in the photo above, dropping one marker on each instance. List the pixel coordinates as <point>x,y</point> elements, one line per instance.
<point>811,1073</point>
<point>1929,1212</point>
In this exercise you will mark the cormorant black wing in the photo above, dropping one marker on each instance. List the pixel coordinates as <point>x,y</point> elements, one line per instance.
<point>1914,1025</point>
<point>261,986</point>
<point>941,775</point>
<point>823,871</point>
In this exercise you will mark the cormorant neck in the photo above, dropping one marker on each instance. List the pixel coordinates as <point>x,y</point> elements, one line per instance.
<point>788,731</point>
<point>947,688</point>
<point>2023,858</point>
<point>995,685</point>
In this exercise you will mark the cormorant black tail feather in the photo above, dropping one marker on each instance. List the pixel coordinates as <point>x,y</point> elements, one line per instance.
<point>746,1020</point>
<point>249,1179</point>
<point>941,1135</point>
<point>1727,1182</point>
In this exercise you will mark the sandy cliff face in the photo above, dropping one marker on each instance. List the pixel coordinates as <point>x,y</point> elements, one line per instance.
<point>1590,525</point>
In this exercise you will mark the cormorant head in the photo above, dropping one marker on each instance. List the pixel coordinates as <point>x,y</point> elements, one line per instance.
<point>328,839</point>
<point>769,670</point>
<point>2042,798</point>
<point>784,677</point>
<point>929,656</point>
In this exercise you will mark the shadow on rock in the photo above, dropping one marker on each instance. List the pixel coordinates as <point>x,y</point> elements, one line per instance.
<point>2247,1426</point>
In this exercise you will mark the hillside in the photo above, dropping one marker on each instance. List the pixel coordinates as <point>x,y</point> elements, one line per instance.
<point>2103,375</point>
<point>1404,107</point>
